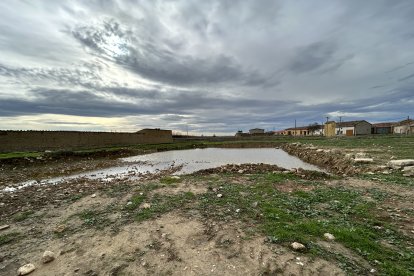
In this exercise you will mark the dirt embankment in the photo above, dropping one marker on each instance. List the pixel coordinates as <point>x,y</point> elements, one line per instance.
<point>333,161</point>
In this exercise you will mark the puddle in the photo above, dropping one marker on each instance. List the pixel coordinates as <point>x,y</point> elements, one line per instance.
<point>191,161</point>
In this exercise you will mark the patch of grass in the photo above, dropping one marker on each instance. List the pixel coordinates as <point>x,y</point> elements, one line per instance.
<point>8,238</point>
<point>396,178</point>
<point>19,155</point>
<point>161,204</point>
<point>92,218</point>
<point>23,215</point>
<point>304,216</point>
<point>135,202</point>
<point>170,180</point>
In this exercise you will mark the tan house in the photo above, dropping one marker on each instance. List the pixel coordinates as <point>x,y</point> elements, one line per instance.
<point>256,131</point>
<point>330,128</point>
<point>296,131</point>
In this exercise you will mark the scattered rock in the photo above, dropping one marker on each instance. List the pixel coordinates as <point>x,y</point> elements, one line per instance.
<point>297,246</point>
<point>240,171</point>
<point>363,160</point>
<point>254,204</point>
<point>219,195</point>
<point>48,256</point>
<point>237,210</point>
<point>93,196</point>
<point>329,236</point>
<point>397,164</point>
<point>372,271</point>
<point>26,269</point>
<point>175,177</point>
<point>4,227</point>
<point>129,203</point>
<point>146,206</point>
<point>59,228</point>
<point>370,173</point>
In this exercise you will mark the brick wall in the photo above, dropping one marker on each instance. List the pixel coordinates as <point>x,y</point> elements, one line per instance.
<point>11,141</point>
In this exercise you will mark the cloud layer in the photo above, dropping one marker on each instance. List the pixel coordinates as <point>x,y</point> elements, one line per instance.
<point>211,67</point>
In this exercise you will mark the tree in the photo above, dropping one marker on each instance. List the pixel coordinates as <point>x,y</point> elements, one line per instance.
<point>313,128</point>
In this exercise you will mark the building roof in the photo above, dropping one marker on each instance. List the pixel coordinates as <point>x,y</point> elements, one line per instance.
<point>405,122</point>
<point>298,128</point>
<point>350,123</point>
<point>388,124</point>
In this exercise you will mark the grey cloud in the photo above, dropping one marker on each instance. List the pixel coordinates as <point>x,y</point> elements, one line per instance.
<point>156,62</point>
<point>312,57</point>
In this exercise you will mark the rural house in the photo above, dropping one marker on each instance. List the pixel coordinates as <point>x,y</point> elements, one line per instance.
<point>383,128</point>
<point>403,127</point>
<point>353,128</point>
<point>297,131</point>
<point>256,131</point>
<point>350,128</point>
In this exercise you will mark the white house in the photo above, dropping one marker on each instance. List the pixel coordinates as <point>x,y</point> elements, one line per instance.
<point>403,127</point>
<point>353,128</point>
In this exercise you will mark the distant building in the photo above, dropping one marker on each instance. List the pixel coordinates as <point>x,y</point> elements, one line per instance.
<point>353,128</point>
<point>383,128</point>
<point>241,134</point>
<point>403,127</point>
<point>330,128</point>
<point>256,131</point>
<point>297,131</point>
<point>350,128</point>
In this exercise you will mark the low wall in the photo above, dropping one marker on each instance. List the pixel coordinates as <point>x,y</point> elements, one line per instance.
<point>12,141</point>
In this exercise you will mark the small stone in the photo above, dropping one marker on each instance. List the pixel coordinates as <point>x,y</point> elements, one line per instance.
<point>372,271</point>
<point>219,195</point>
<point>48,256</point>
<point>4,227</point>
<point>59,228</point>
<point>237,210</point>
<point>175,177</point>
<point>26,269</point>
<point>254,204</point>
<point>240,171</point>
<point>129,203</point>
<point>93,196</point>
<point>77,269</point>
<point>329,236</point>
<point>146,206</point>
<point>297,246</point>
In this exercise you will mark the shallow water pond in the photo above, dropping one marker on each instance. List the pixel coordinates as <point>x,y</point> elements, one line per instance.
<point>189,160</point>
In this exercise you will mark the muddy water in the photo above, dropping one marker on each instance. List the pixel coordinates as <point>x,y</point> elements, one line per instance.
<point>189,160</point>
<point>200,159</point>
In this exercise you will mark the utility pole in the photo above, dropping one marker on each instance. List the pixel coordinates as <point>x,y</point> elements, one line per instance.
<point>327,119</point>
<point>295,127</point>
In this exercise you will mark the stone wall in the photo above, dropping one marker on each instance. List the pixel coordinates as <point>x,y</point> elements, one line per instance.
<point>12,141</point>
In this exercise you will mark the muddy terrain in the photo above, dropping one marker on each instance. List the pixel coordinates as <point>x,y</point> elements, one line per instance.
<point>233,220</point>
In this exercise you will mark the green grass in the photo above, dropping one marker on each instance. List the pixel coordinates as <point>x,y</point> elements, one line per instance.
<point>19,155</point>
<point>23,216</point>
<point>393,178</point>
<point>8,238</point>
<point>170,180</point>
<point>304,216</point>
<point>93,218</point>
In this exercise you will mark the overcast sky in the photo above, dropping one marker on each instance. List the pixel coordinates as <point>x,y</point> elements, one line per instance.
<point>209,66</point>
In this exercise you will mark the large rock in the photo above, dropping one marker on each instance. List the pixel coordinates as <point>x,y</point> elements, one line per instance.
<point>409,169</point>
<point>363,160</point>
<point>26,269</point>
<point>297,246</point>
<point>397,164</point>
<point>48,256</point>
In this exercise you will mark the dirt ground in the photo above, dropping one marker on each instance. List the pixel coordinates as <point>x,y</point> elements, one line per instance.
<point>195,225</point>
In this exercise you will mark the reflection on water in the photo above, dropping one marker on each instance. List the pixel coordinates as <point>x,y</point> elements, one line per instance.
<point>191,161</point>
<point>199,159</point>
